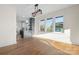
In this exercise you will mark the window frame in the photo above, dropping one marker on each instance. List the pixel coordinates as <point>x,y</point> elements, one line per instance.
<point>53,24</point>
<point>43,25</point>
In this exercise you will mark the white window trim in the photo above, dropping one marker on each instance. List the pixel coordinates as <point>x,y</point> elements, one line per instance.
<point>53,26</point>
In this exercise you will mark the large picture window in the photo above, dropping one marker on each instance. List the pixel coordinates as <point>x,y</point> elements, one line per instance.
<point>42,25</point>
<point>59,24</point>
<point>49,25</point>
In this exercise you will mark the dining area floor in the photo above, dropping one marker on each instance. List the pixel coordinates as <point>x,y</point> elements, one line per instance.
<point>31,46</point>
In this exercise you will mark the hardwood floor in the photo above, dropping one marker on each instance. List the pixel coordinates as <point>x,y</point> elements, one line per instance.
<point>68,48</point>
<point>38,46</point>
<point>31,46</point>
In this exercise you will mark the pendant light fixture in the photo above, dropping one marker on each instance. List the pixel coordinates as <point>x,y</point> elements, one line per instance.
<point>37,10</point>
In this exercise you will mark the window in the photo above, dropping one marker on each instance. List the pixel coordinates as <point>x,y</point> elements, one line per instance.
<point>42,26</point>
<point>59,24</point>
<point>49,25</point>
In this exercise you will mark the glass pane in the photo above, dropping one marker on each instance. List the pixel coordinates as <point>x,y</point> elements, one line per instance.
<point>59,24</point>
<point>49,25</point>
<point>42,25</point>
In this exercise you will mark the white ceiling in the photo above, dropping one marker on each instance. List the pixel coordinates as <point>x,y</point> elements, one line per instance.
<point>27,9</point>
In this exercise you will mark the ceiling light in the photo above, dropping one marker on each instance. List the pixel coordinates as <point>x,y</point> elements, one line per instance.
<point>37,11</point>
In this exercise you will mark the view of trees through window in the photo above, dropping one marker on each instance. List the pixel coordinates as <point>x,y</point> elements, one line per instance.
<point>42,25</point>
<point>59,24</point>
<point>50,24</point>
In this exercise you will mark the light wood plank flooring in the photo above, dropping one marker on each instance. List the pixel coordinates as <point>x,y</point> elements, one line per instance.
<point>31,46</point>
<point>38,46</point>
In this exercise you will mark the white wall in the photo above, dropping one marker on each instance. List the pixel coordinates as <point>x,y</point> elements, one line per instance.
<point>7,25</point>
<point>71,22</point>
